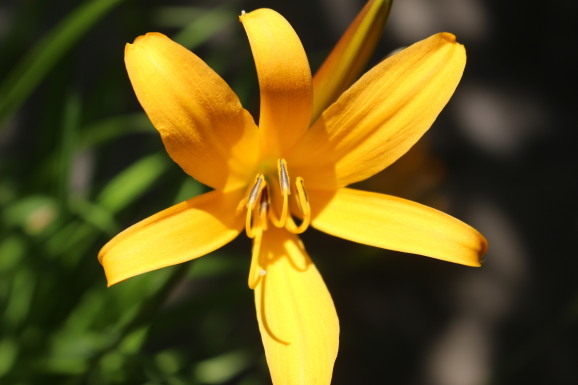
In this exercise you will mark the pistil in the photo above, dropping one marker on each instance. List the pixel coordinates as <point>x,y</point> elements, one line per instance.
<point>285,187</point>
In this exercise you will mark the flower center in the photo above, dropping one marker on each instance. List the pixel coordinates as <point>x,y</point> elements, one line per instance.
<point>268,201</point>
<point>265,199</point>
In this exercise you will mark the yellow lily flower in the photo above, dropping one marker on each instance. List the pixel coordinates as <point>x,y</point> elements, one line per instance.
<point>276,179</point>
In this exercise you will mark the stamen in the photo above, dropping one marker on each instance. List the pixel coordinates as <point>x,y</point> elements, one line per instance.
<point>258,205</point>
<point>255,191</point>
<point>284,181</point>
<point>264,208</point>
<point>249,230</point>
<point>254,196</point>
<point>303,198</point>
<point>303,201</point>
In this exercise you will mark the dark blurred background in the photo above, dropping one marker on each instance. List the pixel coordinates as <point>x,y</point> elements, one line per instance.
<point>79,162</point>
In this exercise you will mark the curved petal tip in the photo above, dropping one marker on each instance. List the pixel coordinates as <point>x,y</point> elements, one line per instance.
<point>449,37</point>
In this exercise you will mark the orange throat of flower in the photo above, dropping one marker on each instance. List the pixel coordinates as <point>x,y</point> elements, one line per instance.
<point>269,201</point>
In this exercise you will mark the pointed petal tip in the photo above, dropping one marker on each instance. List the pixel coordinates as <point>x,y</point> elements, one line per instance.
<point>482,261</point>
<point>112,278</point>
<point>110,283</point>
<point>141,39</point>
<point>101,259</point>
<point>449,37</point>
<point>479,247</point>
<point>483,249</point>
<point>256,12</point>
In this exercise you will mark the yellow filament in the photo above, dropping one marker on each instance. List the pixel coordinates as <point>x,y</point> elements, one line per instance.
<point>264,209</point>
<point>280,222</point>
<point>303,201</point>
<point>255,271</point>
<point>248,224</point>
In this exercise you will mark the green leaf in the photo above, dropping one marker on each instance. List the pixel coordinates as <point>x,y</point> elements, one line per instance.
<point>70,124</point>
<point>8,355</point>
<point>204,26</point>
<point>222,368</point>
<point>113,128</point>
<point>132,182</point>
<point>33,213</point>
<point>26,75</point>
<point>12,250</point>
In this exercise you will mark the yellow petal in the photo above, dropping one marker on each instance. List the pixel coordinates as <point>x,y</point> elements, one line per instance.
<point>396,224</point>
<point>284,80</point>
<point>297,319</point>
<point>201,121</point>
<point>383,114</point>
<point>178,234</point>
<point>348,58</point>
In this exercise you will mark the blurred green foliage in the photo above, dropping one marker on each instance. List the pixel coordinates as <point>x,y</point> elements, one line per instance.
<point>79,161</point>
